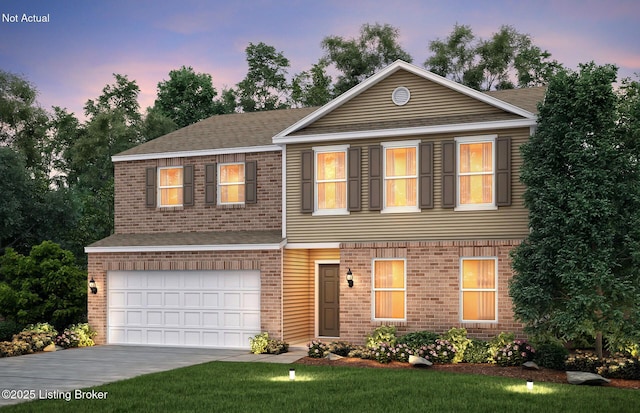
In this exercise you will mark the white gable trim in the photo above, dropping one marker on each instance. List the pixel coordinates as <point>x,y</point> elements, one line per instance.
<point>419,130</point>
<point>202,152</point>
<point>386,72</point>
<point>184,248</point>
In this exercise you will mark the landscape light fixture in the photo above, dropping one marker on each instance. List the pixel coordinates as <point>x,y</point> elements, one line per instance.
<point>350,277</point>
<point>529,384</point>
<point>292,374</point>
<point>92,286</point>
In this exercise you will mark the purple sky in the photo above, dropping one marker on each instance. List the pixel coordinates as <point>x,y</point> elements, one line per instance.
<point>71,58</point>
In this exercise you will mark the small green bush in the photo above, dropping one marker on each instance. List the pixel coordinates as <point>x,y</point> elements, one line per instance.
<point>76,335</point>
<point>620,368</point>
<point>418,339</point>
<point>259,343</point>
<point>384,353</point>
<point>341,348</point>
<point>476,352</point>
<point>402,352</point>
<point>361,352</point>
<point>458,337</point>
<point>317,349</point>
<point>277,347</point>
<point>7,329</point>
<point>42,328</point>
<point>583,361</point>
<point>382,334</point>
<point>514,353</point>
<point>498,342</point>
<point>36,341</point>
<point>441,351</point>
<point>551,355</point>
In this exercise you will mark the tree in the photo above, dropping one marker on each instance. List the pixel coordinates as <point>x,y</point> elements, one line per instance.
<point>496,63</point>
<point>186,97</point>
<point>23,124</point>
<point>45,286</point>
<point>311,88</point>
<point>577,272</point>
<point>156,124</point>
<point>358,59</point>
<point>265,86</point>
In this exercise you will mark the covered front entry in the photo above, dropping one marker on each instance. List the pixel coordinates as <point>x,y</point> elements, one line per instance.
<point>183,308</point>
<point>329,300</point>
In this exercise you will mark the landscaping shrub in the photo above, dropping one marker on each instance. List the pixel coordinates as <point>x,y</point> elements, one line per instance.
<point>441,351</point>
<point>476,352</point>
<point>362,352</point>
<point>514,353</point>
<point>402,352</point>
<point>551,354</point>
<point>384,353</point>
<point>34,340</point>
<point>617,367</point>
<point>7,329</point>
<point>382,334</point>
<point>317,349</point>
<point>14,348</point>
<point>418,339</point>
<point>583,361</point>
<point>341,348</point>
<point>76,335</point>
<point>262,344</point>
<point>498,342</point>
<point>458,337</point>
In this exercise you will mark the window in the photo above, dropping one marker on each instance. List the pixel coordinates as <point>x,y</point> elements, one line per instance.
<point>479,298</point>
<point>331,180</point>
<point>170,189</point>
<point>476,165</point>
<point>400,162</point>
<point>389,286</point>
<point>231,182</point>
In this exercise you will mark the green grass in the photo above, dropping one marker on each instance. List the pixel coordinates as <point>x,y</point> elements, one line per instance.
<point>256,387</point>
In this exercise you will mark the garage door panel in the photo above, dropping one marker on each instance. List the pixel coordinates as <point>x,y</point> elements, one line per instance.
<point>191,308</point>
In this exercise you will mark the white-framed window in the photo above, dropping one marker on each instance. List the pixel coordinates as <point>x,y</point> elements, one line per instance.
<point>479,289</point>
<point>231,183</point>
<point>389,286</point>
<point>330,180</point>
<point>476,165</point>
<point>170,186</point>
<point>400,171</point>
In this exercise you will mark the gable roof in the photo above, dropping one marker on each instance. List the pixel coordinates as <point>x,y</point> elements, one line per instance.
<point>513,115</point>
<point>219,134</point>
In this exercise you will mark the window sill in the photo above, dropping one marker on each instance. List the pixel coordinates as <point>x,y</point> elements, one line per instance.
<point>476,208</point>
<point>400,210</point>
<point>330,212</point>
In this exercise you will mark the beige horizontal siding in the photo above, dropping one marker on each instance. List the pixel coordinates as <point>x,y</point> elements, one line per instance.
<point>430,224</point>
<point>428,100</point>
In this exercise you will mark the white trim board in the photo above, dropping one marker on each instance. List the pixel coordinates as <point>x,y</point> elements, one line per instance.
<point>201,152</point>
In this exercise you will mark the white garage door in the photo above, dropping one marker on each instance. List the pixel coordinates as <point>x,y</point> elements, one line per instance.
<point>184,308</point>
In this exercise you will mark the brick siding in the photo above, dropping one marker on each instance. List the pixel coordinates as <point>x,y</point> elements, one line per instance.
<point>433,287</point>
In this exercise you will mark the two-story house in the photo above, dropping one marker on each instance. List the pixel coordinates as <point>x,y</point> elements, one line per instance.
<point>396,203</point>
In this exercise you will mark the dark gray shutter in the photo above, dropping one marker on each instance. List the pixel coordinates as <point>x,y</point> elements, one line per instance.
<point>354,184</point>
<point>448,174</point>
<point>307,181</point>
<point>375,178</point>
<point>150,193</point>
<point>187,185</point>
<point>210,184</point>
<point>426,175</point>
<point>503,171</point>
<point>251,182</point>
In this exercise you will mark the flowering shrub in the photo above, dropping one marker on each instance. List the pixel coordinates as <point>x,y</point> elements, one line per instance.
<point>384,352</point>
<point>362,352</point>
<point>442,351</point>
<point>317,349</point>
<point>68,339</point>
<point>341,348</point>
<point>76,335</point>
<point>403,352</point>
<point>514,353</point>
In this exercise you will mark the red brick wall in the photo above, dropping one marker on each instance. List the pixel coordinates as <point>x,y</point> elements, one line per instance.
<point>433,287</point>
<point>268,262</point>
<point>132,216</point>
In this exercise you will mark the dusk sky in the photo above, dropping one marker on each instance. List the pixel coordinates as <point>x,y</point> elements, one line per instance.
<point>73,56</point>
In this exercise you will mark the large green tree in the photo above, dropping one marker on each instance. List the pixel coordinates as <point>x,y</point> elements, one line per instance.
<point>186,97</point>
<point>506,60</point>
<point>265,86</point>
<point>359,58</point>
<point>312,87</point>
<point>577,274</point>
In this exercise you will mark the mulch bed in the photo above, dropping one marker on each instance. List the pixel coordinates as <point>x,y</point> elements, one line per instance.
<point>543,375</point>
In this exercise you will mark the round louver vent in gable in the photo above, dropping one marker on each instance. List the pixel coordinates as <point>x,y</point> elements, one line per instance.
<point>400,96</point>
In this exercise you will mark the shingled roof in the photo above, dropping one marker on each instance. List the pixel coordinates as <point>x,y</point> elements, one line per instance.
<point>245,130</point>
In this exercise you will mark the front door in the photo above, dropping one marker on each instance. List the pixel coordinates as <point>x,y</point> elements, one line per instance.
<point>329,300</point>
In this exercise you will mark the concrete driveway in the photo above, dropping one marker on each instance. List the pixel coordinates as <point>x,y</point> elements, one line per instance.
<point>44,374</point>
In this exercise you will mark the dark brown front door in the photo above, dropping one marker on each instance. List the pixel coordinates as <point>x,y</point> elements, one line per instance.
<point>329,300</point>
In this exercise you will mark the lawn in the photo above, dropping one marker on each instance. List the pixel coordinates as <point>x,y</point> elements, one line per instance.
<point>261,387</point>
